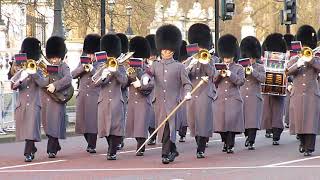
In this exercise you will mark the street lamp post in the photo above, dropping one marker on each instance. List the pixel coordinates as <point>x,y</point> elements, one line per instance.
<point>103,17</point>
<point>129,14</point>
<point>58,29</point>
<point>111,4</point>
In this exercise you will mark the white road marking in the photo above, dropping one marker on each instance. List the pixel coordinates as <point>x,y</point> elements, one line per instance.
<point>157,169</point>
<point>293,161</point>
<point>31,164</point>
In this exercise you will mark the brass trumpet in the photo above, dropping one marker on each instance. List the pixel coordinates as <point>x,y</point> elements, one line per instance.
<point>86,67</point>
<point>30,66</point>
<point>203,57</point>
<point>223,73</point>
<point>248,70</point>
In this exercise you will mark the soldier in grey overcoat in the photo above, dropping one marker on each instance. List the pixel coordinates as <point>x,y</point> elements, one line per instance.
<point>88,94</point>
<point>182,112</point>
<point>154,56</point>
<point>140,87</point>
<point>199,109</point>
<point>53,114</point>
<point>251,90</point>
<point>228,104</point>
<point>124,50</point>
<point>304,110</point>
<point>111,116</point>
<point>170,76</point>
<point>28,107</point>
<point>288,38</point>
<point>273,106</point>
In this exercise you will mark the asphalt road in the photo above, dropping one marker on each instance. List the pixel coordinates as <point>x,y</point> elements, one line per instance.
<point>266,162</point>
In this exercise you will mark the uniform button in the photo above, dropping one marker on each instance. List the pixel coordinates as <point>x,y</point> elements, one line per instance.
<point>87,94</point>
<point>197,77</point>
<point>196,96</point>
<point>304,74</point>
<point>165,80</point>
<point>53,79</point>
<point>48,99</point>
<point>110,99</point>
<point>88,86</point>
<point>28,95</point>
<point>247,96</point>
<point>197,68</point>
<point>247,88</point>
<point>88,78</point>
<point>27,87</point>
<point>247,80</point>
<point>226,90</point>
<point>27,104</point>
<point>164,100</point>
<point>136,102</point>
<point>110,91</point>
<point>226,82</point>
<point>303,84</point>
<point>110,82</point>
<point>164,91</point>
<point>165,71</point>
<point>136,93</point>
<point>303,94</point>
<point>225,98</point>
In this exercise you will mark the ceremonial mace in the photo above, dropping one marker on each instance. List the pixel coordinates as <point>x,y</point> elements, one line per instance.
<point>203,80</point>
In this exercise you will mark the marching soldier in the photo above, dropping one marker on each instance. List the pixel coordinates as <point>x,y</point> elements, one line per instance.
<point>273,106</point>
<point>228,104</point>
<point>182,113</point>
<point>288,38</point>
<point>304,108</point>
<point>88,94</point>
<point>124,50</point>
<point>28,107</point>
<point>251,91</point>
<point>55,123</point>
<point>140,102</point>
<point>199,109</point>
<point>111,115</point>
<point>153,57</point>
<point>170,76</point>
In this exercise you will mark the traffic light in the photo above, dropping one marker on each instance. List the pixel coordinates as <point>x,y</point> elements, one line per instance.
<point>227,9</point>
<point>289,14</point>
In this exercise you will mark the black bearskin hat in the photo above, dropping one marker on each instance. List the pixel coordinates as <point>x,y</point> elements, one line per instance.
<point>140,46</point>
<point>111,43</point>
<point>32,47</point>
<point>319,35</point>
<point>275,43</point>
<point>201,34</point>
<point>91,44</point>
<point>56,48</point>
<point>250,48</point>
<point>228,47</point>
<point>168,37</point>
<point>307,35</point>
<point>289,38</point>
<point>124,42</point>
<point>151,38</point>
